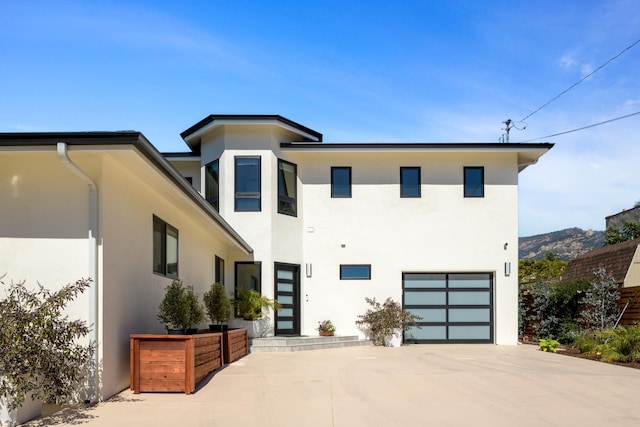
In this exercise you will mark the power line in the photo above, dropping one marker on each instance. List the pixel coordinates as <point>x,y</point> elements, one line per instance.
<point>584,127</point>
<point>582,79</point>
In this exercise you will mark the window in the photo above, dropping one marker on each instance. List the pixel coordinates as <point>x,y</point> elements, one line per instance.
<point>355,272</point>
<point>287,173</point>
<point>410,182</point>
<point>247,184</point>
<point>219,273</point>
<point>165,248</point>
<point>212,184</point>
<point>340,182</point>
<point>474,181</point>
<point>248,276</point>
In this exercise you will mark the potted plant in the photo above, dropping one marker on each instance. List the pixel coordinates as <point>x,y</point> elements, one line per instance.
<point>218,306</point>
<point>174,310</point>
<point>195,313</point>
<point>326,328</point>
<point>253,309</point>
<point>384,323</point>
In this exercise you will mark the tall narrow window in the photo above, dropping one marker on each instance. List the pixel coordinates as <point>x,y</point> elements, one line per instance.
<point>474,181</point>
<point>165,248</point>
<point>247,184</point>
<point>341,182</point>
<point>287,173</point>
<point>212,184</point>
<point>248,277</point>
<point>410,182</point>
<point>219,273</point>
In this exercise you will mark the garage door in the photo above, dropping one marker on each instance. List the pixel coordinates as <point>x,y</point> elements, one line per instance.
<point>455,307</point>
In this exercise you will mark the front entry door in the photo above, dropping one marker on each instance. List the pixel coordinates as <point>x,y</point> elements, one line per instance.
<point>287,292</point>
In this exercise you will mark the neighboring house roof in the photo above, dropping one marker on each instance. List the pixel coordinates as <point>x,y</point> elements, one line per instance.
<point>136,139</point>
<point>193,134</point>
<point>616,259</point>
<point>528,153</point>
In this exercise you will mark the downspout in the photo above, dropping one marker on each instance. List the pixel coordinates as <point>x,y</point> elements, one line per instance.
<point>93,260</point>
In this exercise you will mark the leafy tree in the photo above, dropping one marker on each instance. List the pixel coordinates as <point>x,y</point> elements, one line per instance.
<point>531,271</point>
<point>630,231</point>
<point>600,302</point>
<point>39,350</point>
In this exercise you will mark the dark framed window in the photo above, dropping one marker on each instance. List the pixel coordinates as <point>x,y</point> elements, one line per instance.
<point>474,181</point>
<point>248,277</point>
<point>219,270</point>
<point>287,188</point>
<point>341,181</point>
<point>410,182</point>
<point>212,184</point>
<point>247,184</point>
<point>165,248</point>
<point>355,271</point>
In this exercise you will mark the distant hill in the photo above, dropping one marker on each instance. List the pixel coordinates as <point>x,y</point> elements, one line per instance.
<point>566,244</point>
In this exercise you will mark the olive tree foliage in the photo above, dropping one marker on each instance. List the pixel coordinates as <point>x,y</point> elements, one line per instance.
<point>39,351</point>
<point>600,302</point>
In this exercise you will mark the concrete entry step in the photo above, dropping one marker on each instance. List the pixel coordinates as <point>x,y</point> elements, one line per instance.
<point>276,344</point>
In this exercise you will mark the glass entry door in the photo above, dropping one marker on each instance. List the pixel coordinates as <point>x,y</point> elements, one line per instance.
<point>287,292</point>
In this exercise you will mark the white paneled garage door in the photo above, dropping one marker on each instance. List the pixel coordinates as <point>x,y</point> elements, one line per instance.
<point>455,307</point>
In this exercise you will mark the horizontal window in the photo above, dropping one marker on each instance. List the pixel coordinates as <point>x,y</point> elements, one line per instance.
<point>355,271</point>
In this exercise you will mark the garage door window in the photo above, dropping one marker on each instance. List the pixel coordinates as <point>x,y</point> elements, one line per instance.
<point>455,307</point>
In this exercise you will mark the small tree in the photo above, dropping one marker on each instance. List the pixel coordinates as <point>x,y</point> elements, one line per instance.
<point>217,303</point>
<point>381,320</point>
<point>39,350</point>
<point>600,302</point>
<point>173,311</point>
<point>196,312</point>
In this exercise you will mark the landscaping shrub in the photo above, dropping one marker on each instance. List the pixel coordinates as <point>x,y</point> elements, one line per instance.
<point>600,302</point>
<point>621,344</point>
<point>548,345</point>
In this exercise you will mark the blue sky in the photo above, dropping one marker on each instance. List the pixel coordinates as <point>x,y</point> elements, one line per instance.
<point>372,71</point>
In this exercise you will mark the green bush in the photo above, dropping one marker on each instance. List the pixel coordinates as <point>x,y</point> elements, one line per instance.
<point>613,345</point>
<point>174,310</point>
<point>251,305</point>
<point>217,303</point>
<point>39,350</point>
<point>549,345</point>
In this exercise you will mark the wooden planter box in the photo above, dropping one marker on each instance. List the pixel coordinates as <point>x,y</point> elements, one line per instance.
<point>173,362</point>
<point>236,344</point>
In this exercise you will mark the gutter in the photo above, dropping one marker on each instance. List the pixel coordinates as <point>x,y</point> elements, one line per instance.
<point>93,258</point>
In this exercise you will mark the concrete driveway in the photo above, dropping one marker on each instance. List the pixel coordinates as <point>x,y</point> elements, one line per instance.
<point>415,385</point>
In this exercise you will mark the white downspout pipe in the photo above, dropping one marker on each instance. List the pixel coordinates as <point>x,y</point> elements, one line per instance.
<point>93,260</point>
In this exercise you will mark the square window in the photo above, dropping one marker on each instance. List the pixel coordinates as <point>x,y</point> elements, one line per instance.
<point>355,272</point>
<point>247,184</point>
<point>410,182</point>
<point>474,181</point>
<point>341,182</point>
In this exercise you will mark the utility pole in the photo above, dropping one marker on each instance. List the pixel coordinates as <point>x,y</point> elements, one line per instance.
<point>508,127</point>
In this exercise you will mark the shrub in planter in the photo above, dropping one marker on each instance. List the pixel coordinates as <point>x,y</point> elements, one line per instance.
<point>174,310</point>
<point>251,305</point>
<point>195,312</point>
<point>39,351</point>
<point>217,305</point>
<point>384,320</point>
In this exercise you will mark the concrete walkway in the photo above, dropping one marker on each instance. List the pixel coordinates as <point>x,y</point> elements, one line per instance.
<point>415,385</point>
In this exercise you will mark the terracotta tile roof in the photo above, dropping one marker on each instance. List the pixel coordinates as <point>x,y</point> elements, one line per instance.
<point>616,259</point>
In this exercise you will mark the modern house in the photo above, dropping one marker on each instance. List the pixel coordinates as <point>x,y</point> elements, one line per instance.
<point>261,202</point>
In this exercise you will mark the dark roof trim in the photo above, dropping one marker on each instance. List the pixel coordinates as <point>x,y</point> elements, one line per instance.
<point>139,141</point>
<point>249,117</point>
<point>422,146</point>
<point>623,212</point>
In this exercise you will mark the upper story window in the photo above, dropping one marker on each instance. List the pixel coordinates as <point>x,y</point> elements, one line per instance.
<point>340,181</point>
<point>474,181</point>
<point>165,248</point>
<point>212,184</point>
<point>247,184</point>
<point>410,182</point>
<point>287,191</point>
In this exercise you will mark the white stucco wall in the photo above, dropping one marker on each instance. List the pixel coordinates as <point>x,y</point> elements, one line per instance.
<point>43,238</point>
